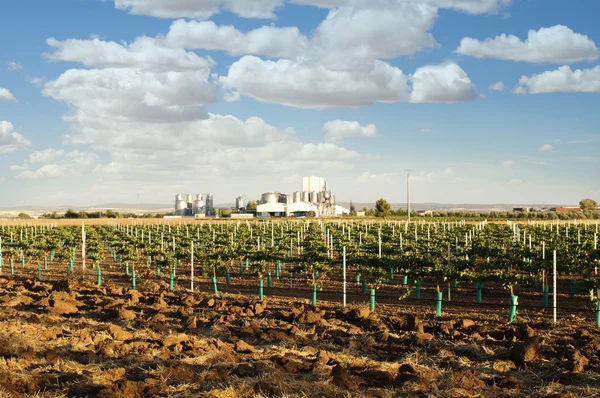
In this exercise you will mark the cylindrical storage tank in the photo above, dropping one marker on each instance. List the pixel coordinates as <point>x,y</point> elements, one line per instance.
<point>239,202</point>
<point>198,205</point>
<point>178,197</point>
<point>297,196</point>
<point>209,204</point>
<point>283,198</point>
<point>269,197</point>
<point>314,197</point>
<point>188,198</point>
<point>305,196</point>
<point>180,207</point>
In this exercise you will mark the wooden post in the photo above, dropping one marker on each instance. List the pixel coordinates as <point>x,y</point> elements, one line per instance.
<point>83,249</point>
<point>344,275</point>
<point>554,291</point>
<point>192,267</point>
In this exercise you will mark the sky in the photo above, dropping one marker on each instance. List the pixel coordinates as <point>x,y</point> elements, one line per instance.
<point>133,101</point>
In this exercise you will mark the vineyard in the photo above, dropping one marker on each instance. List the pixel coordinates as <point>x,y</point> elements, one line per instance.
<point>286,308</point>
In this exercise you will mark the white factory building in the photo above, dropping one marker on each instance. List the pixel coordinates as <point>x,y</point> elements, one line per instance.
<point>314,199</point>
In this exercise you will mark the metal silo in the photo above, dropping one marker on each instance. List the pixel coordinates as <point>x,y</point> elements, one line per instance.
<point>198,205</point>
<point>305,196</point>
<point>210,209</point>
<point>180,205</point>
<point>314,197</point>
<point>239,203</point>
<point>283,198</point>
<point>269,197</point>
<point>297,196</point>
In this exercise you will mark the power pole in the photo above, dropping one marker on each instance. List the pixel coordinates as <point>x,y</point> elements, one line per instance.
<point>408,171</point>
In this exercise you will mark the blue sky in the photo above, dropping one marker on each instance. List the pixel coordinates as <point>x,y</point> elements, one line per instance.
<point>486,101</point>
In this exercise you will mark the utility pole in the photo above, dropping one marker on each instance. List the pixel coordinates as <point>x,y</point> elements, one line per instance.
<point>408,171</point>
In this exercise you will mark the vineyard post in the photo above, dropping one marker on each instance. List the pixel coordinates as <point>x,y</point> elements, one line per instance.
<point>344,276</point>
<point>554,288</point>
<point>449,285</point>
<point>379,256</point>
<point>83,249</point>
<point>596,248</point>
<point>192,266</point>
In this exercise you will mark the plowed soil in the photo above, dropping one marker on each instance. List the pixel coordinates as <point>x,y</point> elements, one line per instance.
<point>78,339</point>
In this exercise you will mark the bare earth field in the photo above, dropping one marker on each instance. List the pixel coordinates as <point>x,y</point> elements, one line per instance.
<point>78,339</point>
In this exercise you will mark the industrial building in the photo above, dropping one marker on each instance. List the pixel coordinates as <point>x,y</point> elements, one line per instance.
<point>315,199</point>
<point>194,206</point>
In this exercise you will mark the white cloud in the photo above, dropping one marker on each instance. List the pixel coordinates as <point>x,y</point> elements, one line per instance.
<point>425,131</point>
<point>266,40</point>
<point>469,6</point>
<point>563,79</point>
<point>515,181</point>
<point>143,53</point>
<point>10,140</point>
<point>57,164</point>
<point>447,175</point>
<point>310,85</point>
<point>45,156</point>
<point>132,94</point>
<point>380,30</point>
<point>379,178</point>
<point>508,163</point>
<point>441,83</point>
<point>13,66</point>
<point>6,95</point>
<point>546,148</point>
<point>498,86</point>
<point>557,44</point>
<point>472,6</point>
<point>200,9</point>
<point>36,81</point>
<point>336,130</point>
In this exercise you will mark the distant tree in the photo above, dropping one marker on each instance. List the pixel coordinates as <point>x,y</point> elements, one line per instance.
<point>382,208</point>
<point>24,216</point>
<point>71,214</point>
<point>352,209</point>
<point>252,204</point>
<point>588,204</point>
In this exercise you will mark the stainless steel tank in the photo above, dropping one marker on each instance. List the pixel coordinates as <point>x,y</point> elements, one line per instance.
<point>209,204</point>
<point>180,206</point>
<point>314,197</point>
<point>239,202</point>
<point>269,197</point>
<point>305,196</point>
<point>283,198</point>
<point>199,205</point>
<point>297,196</point>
